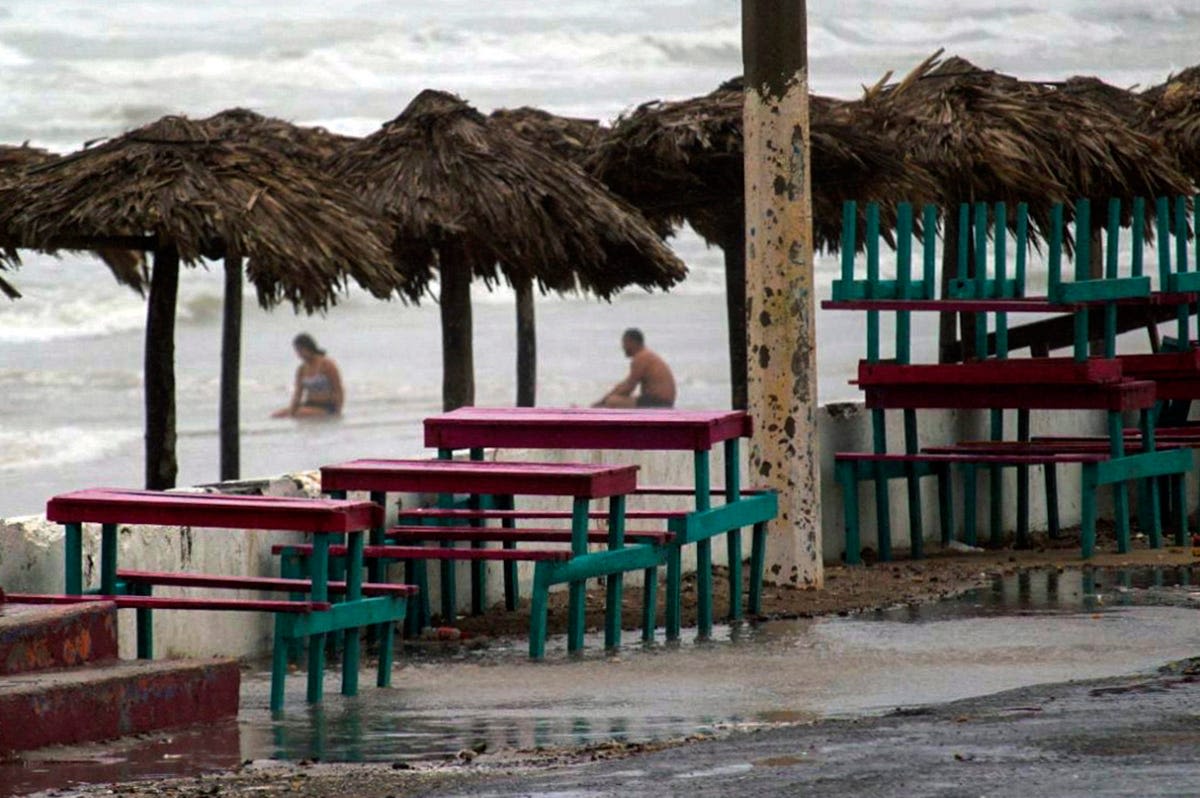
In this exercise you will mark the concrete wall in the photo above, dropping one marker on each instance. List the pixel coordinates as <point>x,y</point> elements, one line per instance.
<point>31,548</point>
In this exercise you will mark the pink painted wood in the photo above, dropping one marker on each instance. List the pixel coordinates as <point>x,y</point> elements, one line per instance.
<point>172,602</point>
<point>269,584</point>
<point>584,428</point>
<point>1125,395</point>
<point>975,457</point>
<point>537,535</point>
<point>478,477</point>
<point>1027,305</point>
<point>529,515</point>
<point>431,553</point>
<point>1021,371</point>
<point>120,506</point>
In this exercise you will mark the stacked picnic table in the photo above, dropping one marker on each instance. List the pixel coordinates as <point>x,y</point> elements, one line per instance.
<point>336,581</point>
<point>1152,458</point>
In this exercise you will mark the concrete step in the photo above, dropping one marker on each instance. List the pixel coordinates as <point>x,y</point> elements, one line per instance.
<point>35,638</point>
<point>99,702</point>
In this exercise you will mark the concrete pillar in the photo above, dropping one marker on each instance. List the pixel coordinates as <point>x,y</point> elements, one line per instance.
<point>779,284</point>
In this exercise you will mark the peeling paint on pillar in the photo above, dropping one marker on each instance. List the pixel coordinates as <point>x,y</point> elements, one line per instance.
<point>780,312</point>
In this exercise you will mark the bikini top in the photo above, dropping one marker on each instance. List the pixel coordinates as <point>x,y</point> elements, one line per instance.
<point>318,383</point>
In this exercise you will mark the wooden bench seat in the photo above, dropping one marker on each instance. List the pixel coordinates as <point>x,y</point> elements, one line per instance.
<point>1018,371</point>
<point>537,535</point>
<point>1115,397</point>
<point>480,478</point>
<point>266,584</point>
<point>173,602</point>
<point>529,515</point>
<point>431,553</point>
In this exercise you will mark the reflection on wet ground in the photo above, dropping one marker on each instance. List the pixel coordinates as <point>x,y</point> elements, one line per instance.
<point>1026,629</point>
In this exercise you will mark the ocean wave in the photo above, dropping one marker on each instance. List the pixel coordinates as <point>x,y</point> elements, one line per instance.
<point>26,450</point>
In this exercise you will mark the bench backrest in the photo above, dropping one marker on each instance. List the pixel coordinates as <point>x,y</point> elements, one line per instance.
<point>213,510</point>
<point>592,481</point>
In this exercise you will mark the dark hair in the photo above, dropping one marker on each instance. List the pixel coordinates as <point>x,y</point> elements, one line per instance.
<point>305,341</point>
<point>635,335</point>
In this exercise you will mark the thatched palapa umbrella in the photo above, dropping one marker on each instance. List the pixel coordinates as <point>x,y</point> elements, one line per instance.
<point>172,188</point>
<point>311,146</point>
<point>1174,113</point>
<point>683,161</point>
<point>472,199</point>
<point>991,137</point>
<point>570,138</point>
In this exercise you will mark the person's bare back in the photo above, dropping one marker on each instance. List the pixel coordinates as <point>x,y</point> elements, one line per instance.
<point>647,372</point>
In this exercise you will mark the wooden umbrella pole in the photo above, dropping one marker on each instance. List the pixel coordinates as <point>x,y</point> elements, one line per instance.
<point>526,343</point>
<point>458,359</point>
<point>734,247</point>
<point>231,364</point>
<point>159,370</point>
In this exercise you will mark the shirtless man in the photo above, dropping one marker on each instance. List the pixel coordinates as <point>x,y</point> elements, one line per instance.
<point>646,369</point>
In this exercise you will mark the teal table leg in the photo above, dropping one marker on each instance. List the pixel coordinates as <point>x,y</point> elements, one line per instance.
<point>733,538</point>
<point>351,641</point>
<point>512,583</point>
<point>970,531</point>
<point>377,568</point>
<point>538,610</point>
<point>73,559</point>
<point>1153,508</point>
<point>145,627</point>
<point>758,564</point>
<point>1116,435</point>
<point>449,582</point>
<point>916,532</point>
<point>318,570</point>
<point>1181,517</point>
<point>848,479</point>
<point>649,604</point>
<point>614,582</point>
<point>1023,484</point>
<point>702,481</point>
<point>674,620</point>
<point>1087,525</point>
<point>883,513</point>
<point>291,566</point>
<point>996,486</point>
<point>1050,472</point>
<point>108,559</point>
<point>387,646</point>
<point>478,567</point>
<point>279,660</point>
<point>946,503</point>
<point>577,596</point>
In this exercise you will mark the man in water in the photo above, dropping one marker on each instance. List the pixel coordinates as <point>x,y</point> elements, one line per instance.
<point>646,369</point>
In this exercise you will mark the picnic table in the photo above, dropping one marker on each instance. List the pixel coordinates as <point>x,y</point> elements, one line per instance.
<point>582,483</point>
<point>322,519</point>
<point>695,431</point>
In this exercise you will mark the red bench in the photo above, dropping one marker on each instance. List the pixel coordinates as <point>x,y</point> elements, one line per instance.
<point>522,535</point>
<point>323,519</point>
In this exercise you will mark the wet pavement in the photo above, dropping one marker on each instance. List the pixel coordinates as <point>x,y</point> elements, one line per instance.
<point>1029,629</point>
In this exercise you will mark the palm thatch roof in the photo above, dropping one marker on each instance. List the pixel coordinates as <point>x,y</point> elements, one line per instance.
<point>682,160</point>
<point>1174,112</point>
<point>310,145</point>
<point>1127,104</point>
<point>174,184</point>
<point>992,137</point>
<point>450,180</point>
<point>568,137</point>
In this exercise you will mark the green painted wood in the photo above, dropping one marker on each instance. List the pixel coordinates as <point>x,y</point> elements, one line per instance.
<point>1182,314</point>
<point>1112,238</point>
<point>929,251</point>
<point>318,564</point>
<point>577,598</point>
<point>733,539</point>
<point>904,233</point>
<point>512,583</point>
<point>849,247</point>
<point>1138,247</point>
<point>968,289</point>
<point>1163,462</point>
<point>1083,241</point>
<point>539,603</point>
<point>674,609</point>
<point>844,472</point>
<point>108,559</point>
<point>1184,283</point>
<point>996,483</point>
<point>73,559</point>
<point>279,665</point>
<point>1001,277</point>
<point>1103,291</point>
<point>649,603</point>
<point>1022,245</point>
<point>448,577</point>
<point>478,568</point>
<point>945,503</point>
<point>1162,223</point>
<point>758,562</point>
<point>981,237</point>
<point>364,612</point>
<point>350,637</point>
<point>872,243</point>
<point>970,505</point>
<point>912,444</point>
<point>605,563</point>
<point>1153,526</point>
<point>1054,251</point>
<point>614,584</point>
<point>1023,484</point>
<point>144,620</point>
<point>1181,517</point>
<point>882,510</point>
<point>844,291</point>
<point>702,525</point>
<point>1116,437</point>
<point>702,479</point>
<point>865,471</point>
<point>964,241</point>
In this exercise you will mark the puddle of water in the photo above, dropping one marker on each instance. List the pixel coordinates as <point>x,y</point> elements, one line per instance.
<point>1022,630</point>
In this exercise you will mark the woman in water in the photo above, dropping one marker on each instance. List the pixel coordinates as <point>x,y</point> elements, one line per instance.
<point>318,392</point>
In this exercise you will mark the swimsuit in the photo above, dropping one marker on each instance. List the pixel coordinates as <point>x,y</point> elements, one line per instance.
<point>318,384</point>
<point>653,401</point>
